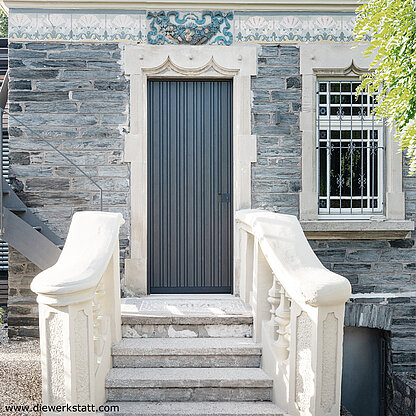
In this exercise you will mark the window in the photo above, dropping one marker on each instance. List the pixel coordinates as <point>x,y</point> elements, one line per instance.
<point>350,151</point>
<point>351,166</point>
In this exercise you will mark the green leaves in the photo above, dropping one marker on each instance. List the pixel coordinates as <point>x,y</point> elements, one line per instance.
<point>4,24</point>
<point>391,26</point>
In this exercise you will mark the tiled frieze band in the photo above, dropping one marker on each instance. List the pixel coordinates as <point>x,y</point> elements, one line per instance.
<point>135,26</point>
<point>42,25</point>
<point>294,28</point>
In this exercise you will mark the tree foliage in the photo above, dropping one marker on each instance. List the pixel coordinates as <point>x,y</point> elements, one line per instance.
<point>391,27</point>
<point>4,24</point>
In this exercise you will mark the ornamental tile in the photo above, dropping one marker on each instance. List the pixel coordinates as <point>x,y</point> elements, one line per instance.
<point>53,26</point>
<point>178,27</point>
<point>88,27</point>
<point>190,28</point>
<point>125,27</point>
<point>293,28</point>
<point>23,26</point>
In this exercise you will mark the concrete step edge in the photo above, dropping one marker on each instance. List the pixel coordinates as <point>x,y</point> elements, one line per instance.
<point>136,319</point>
<point>198,408</point>
<point>186,346</point>
<point>188,378</point>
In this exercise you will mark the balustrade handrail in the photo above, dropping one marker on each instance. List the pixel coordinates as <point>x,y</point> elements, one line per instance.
<point>79,311</point>
<point>89,246</point>
<point>298,312</point>
<point>291,258</point>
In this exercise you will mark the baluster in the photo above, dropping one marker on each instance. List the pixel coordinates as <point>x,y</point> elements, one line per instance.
<point>288,328</point>
<point>274,300</point>
<point>282,320</point>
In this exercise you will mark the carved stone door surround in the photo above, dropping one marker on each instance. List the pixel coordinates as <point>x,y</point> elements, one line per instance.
<point>142,62</point>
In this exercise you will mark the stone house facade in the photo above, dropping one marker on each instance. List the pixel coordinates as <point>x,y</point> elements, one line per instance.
<point>78,74</point>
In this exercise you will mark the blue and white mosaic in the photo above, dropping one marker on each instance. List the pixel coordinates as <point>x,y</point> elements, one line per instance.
<point>190,28</point>
<point>172,27</point>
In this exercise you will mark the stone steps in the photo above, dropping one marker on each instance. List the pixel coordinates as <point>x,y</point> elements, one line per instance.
<point>196,409</point>
<point>183,352</point>
<point>156,326</point>
<point>188,355</point>
<point>188,384</point>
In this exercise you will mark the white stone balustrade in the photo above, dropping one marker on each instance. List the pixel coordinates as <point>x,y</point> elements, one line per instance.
<point>79,311</point>
<point>294,296</point>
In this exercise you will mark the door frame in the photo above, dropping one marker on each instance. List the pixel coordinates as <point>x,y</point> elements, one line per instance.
<point>142,62</point>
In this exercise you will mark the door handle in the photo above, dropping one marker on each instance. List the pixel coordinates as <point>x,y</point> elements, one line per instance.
<point>224,197</point>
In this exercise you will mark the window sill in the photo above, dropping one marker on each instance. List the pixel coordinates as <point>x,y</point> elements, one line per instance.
<point>357,229</point>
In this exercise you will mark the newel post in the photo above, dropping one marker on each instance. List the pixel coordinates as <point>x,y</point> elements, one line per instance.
<point>76,338</point>
<point>67,352</point>
<point>316,359</point>
<point>79,314</point>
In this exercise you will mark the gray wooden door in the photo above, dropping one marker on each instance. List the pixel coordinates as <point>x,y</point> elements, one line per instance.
<point>190,215</point>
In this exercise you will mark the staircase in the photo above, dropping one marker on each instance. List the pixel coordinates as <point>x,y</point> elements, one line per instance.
<point>188,364</point>
<point>19,227</point>
<point>194,355</point>
<point>25,232</point>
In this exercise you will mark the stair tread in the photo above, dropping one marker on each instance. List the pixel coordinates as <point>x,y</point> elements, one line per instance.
<point>187,377</point>
<point>35,246</point>
<point>186,346</point>
<point>198,408</point>
<point>155,319</point>
<point>160,310</point>
<point>17,209</point>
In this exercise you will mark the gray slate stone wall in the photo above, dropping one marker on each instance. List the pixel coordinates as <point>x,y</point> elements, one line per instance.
<point>76,96</point>
<point>276,177</point>
<point>22,307</point>
<point>380,266</point>
<point>370,266</point>
<point>401,398</point>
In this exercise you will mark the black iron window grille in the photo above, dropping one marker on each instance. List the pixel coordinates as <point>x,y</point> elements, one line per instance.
<point>350,151</point>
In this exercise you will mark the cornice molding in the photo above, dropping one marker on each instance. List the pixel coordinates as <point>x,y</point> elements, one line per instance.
<point>211,67</point>
<point>351,70</point>
<point>235,5</point>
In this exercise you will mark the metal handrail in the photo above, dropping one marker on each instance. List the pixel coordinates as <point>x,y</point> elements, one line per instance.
<point>3,111</point>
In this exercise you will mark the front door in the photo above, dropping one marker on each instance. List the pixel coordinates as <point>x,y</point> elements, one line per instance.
<point>190,214</point>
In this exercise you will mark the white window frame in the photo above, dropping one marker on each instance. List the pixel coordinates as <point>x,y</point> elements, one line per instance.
<point>333,123</point>
<point>344,60</point>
